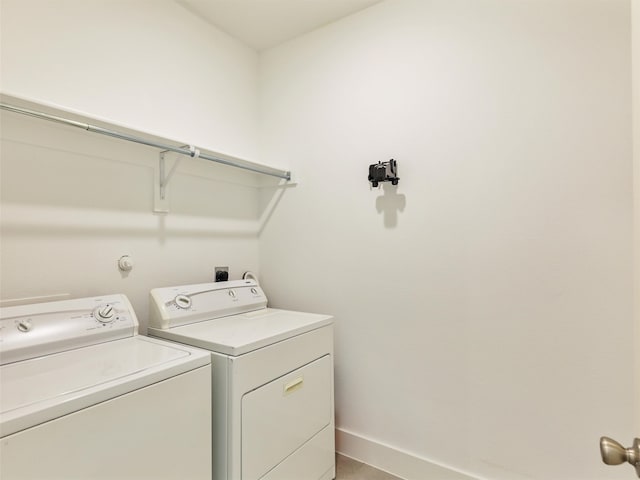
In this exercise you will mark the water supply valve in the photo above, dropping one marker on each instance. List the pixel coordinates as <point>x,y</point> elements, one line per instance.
<point>125,263</point>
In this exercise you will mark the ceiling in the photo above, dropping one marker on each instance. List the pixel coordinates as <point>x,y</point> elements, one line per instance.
<point>263,24</point>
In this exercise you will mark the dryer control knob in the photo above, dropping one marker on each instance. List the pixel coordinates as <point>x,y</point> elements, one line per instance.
<point>24,325</point>
<point>182,301</point>
<point>104,313</point>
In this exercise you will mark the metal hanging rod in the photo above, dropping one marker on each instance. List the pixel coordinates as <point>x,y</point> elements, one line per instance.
<point>188,150</point>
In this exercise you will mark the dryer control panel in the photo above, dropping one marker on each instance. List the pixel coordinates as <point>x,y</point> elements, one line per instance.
<point>174,306</point>
<point>29,331</point>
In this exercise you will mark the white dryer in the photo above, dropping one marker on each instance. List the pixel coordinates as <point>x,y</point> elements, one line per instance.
<point>273,416</point>
<point>83,396</point>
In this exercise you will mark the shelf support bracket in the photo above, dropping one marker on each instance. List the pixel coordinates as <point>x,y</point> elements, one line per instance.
<point>161,200</point>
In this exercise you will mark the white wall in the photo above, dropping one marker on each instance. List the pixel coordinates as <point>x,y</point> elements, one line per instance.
<point>484,307</point>
<point>73,202</point>
<point>150,65</point>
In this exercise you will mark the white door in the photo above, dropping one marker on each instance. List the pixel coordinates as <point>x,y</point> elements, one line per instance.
<point>613,452</point>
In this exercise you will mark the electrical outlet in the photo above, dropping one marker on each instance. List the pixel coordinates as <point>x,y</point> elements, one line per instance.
<point>221,274</point>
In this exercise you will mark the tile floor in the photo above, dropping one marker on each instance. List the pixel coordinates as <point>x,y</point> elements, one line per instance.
<point>350,469</point>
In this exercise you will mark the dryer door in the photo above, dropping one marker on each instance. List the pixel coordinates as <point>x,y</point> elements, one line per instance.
<point>281,416</point>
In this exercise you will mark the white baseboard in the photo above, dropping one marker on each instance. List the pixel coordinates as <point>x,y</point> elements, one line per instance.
<point>396,462</point>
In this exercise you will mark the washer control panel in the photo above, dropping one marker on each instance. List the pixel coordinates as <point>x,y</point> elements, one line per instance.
<point>29,331</point>
<point>174,306</point>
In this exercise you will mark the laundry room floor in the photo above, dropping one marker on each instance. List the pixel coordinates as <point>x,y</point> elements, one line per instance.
<point>350,469</point>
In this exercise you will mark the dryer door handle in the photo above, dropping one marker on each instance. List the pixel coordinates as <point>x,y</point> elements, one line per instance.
<point>293,385</point>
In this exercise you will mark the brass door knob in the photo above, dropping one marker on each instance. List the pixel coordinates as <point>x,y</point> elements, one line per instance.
<point>613,453</point>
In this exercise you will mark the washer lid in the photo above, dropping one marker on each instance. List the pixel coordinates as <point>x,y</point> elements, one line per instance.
<point>238,334</point>
<point>41,389</point>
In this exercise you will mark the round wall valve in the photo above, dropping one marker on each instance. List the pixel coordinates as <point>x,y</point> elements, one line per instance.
<point>125,263</point>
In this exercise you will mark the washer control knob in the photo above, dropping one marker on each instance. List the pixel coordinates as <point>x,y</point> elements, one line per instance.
<point>254,290</point>
<point>24,325</point>
<point>104,313</point>
<point>232,294</point>
<point>182,301</point>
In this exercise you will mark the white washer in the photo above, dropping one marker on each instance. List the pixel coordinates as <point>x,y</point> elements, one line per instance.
<point>83,396</point>
<point>273,416</point>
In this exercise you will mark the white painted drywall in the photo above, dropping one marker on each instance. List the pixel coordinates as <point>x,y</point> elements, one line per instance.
<point>150,65</point>
<point>484,307</point>
<point>74,202</point>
